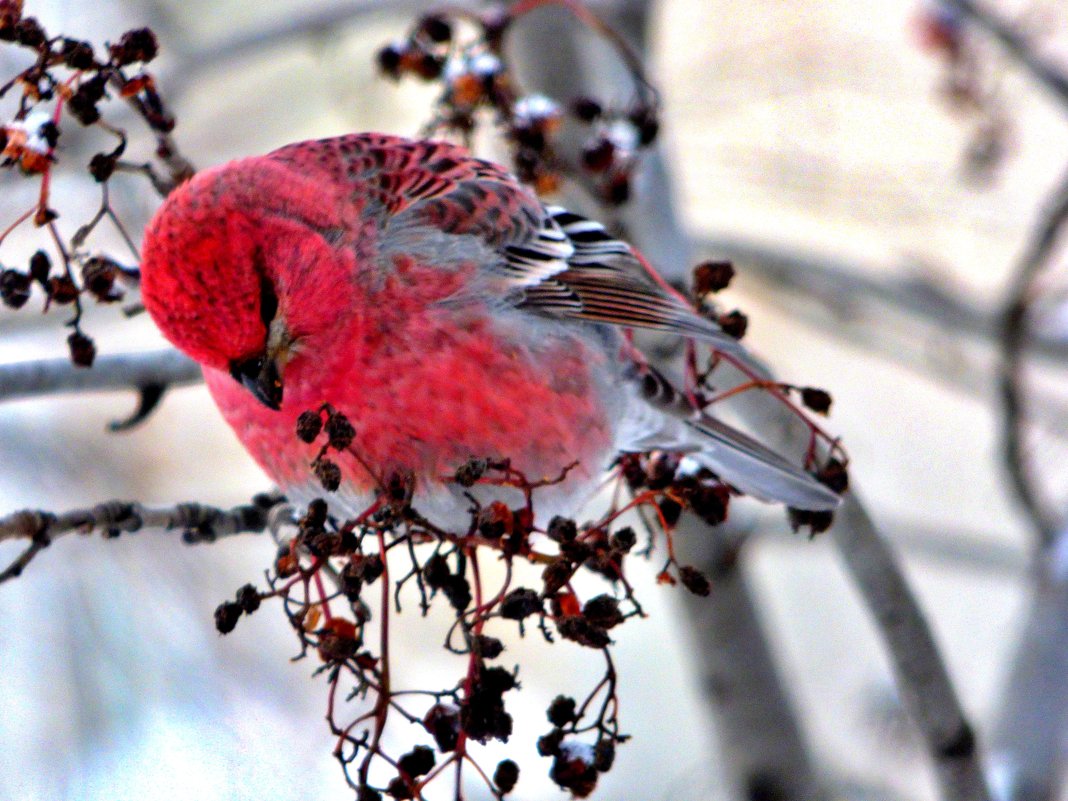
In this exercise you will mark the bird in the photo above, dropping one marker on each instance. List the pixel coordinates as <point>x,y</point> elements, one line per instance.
<point>446,311</point>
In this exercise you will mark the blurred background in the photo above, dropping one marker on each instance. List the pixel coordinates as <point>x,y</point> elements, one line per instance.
<point>875,218</point>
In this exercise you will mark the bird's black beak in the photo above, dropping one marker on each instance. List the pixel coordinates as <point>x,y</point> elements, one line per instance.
<point>260,376</point>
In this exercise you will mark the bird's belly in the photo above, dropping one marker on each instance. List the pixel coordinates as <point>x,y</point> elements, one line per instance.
<point>428,399</point>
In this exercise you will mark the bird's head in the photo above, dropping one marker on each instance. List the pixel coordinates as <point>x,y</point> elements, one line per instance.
<point>240,271</point>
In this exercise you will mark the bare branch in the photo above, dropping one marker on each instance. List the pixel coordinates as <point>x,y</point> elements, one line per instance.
<point>926,688</point>
<point>198,523</point>
<point>1014,340</point>
<point>1027,754</point>
<point>120,371</point>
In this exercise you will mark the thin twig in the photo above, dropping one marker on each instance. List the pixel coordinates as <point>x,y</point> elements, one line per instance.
<point>1014,341</point>
<point>198,524</point>
<point>1048,74</point>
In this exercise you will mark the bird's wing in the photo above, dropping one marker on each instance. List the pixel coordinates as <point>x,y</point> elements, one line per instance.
<point>550,261</point>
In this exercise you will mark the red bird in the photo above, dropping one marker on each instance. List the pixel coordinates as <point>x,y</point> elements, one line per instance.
<point>443,309</point>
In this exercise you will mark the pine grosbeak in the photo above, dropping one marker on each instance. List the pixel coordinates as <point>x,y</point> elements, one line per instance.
<point>443,309</point>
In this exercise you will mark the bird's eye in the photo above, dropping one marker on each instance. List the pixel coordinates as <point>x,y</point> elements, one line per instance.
<point>268,302</point>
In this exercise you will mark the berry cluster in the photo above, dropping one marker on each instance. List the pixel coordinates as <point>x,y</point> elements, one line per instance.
<point>475,76</point>
<point>71,75</point>
<point>341,583</point>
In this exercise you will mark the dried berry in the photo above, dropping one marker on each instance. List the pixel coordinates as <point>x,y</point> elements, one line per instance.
<point>556,574</point>
<point>835,476</point>
<point>505,776</point>
<point>366,793</point>
<point>62,290</point>
<point>645,121</point>
<point>817,400</point>
<point>604,755</point>
<point>40,266</point>
<point>76,54</point>
<point>442,721</point>
<point>83,108</point>
<point>248,598</point>
<point>102,166</point>
<point>711,502</point>
<point>549,744</point>
<point>226,616</point>
<point>497,680</point>
<point>417,762</point>
<point>367,568</point>
<point>816,522</point>
<point>670,511</point>
<point>436,28</point>
<point>562,529</point>
<point>398,788</point>
<point>457,589</point>
<point>483,716</point>
<point>624,539</point>
<point>139,44</point>
<point>562,711</point>
<point>315,516</point>
<point>694,580</point>
<point>328,473</point>
<point>339,431</point>
<point>495,520</point>
<point>389,60</point>
<point>488,647</point>
<point>14,288</point>
<point>338,640</point>
<point>10,14</point>
<point>82,349</point>
<point>734,324</point>
<point>586,108</point>
<point>712,276</point>
<point>603,612</point>
<point>470,472</point>
<point>98,278</point>
<point>573,769</point>
<point>28,32</point>
<point>577,629</point>
<point>598,155</point>
<point>309,424</point>
<point>521,603</point>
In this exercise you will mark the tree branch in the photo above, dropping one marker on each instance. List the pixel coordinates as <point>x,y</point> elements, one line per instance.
<point>198,524</point>
<point>120,371</point>
<point>1014,339</point>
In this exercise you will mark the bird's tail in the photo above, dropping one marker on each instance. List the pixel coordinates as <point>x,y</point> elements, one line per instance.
<point>660,418</point>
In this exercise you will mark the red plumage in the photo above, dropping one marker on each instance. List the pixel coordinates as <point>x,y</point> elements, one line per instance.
<point>436,303</point>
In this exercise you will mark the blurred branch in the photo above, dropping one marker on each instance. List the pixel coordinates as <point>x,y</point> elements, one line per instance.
<point>121,371</point>
<point>1014,338</point>
<point>926,689</point>
<point>924,682</point>
<point>198,523</point>
<point>845,288</point>
<point>764,753</point>
<point>1048,74</point>
<point>1027,756</point>
<point>312,24</point>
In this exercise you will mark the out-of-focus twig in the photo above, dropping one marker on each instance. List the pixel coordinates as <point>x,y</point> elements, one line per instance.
<point>1014,341</point>
<point>198,523</point>
<point>121,371</point>
<point>1048,74</point>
